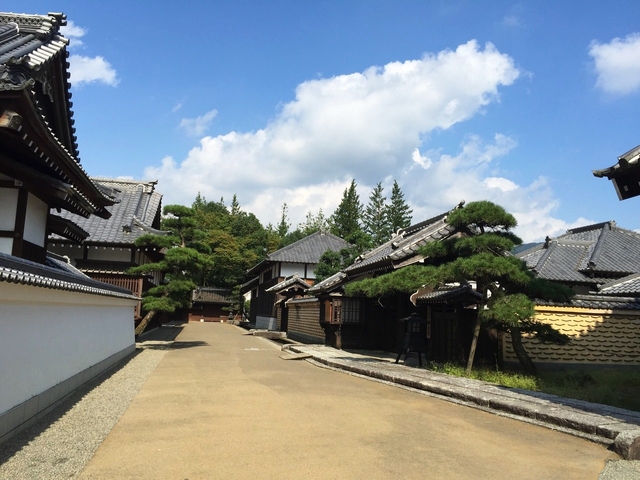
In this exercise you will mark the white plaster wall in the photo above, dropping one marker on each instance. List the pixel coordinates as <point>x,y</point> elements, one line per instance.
<point>6,245</point>
<point>8,206</point>
<point>47,336</point>
<point>287,269</point>
<point>35,224</point>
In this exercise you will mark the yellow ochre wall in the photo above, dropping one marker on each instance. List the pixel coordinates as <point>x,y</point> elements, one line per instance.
<point>598,337</point>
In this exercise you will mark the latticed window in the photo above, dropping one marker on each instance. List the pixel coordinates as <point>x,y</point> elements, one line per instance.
<point>346,310</point>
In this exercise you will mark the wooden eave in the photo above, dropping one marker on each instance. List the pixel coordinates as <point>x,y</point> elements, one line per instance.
<point>35,145</point>
<point>66,228</point>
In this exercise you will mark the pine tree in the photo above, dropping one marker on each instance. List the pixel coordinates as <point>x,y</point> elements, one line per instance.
<point>506,284</point>
<point>184,263</point>
<point>399,213</point>
<point>375,218</point>
<point>345,221</point>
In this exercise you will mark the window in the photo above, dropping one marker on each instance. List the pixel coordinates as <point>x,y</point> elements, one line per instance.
<point>346,310</point>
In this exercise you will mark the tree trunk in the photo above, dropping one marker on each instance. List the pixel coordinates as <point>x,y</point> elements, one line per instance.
<point>474,344</point>
<point>524,358</point>
<point>144,322</point>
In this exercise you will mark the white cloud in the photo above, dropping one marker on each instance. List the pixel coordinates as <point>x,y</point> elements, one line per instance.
<point>511,21</point>
<point>370,126</point>
<point>466,177</point>
<point>197,126</point>
<point>502,184</point>
<point>73,32</point>
<point>617,64</point>
<point>177,107</point>
<point>86,69</point>
<point>422,160</point>
<point>91,70</point>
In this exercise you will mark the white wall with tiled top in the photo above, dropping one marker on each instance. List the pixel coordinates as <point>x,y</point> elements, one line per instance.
<point>53,341</point>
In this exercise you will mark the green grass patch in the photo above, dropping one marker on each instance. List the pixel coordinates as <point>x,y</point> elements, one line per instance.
<point>619,388</point>
<point>615,387</point>
<point>507,379</point>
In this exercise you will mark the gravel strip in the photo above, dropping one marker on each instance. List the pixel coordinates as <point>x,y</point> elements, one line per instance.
<point>62,443</point>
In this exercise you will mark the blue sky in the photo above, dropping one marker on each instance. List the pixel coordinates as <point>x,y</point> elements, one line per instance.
<point>287,101</point>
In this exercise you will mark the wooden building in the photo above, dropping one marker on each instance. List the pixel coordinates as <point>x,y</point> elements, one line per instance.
<point>59,327</point>
<point>109,250</point>
<point>208,304</point>
<point>300,259</point>
<point>356,322</point>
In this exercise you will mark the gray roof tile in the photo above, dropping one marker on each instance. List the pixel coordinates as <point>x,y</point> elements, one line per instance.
<point>589,255</point>
<point>306,250</point>
<point>625,286</point>
<point>56,275</point>
<point>134,215</point>
<point>598,302</point>
<point>399,251</point>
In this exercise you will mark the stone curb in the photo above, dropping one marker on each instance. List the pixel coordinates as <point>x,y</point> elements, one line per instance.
<point>614,427</point>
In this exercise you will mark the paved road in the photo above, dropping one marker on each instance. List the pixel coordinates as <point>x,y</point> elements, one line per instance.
<point>224,405</point>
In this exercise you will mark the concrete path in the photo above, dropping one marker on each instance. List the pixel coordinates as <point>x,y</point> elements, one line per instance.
<point>225,405</point>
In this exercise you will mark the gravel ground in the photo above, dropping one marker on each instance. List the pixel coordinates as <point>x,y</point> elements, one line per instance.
<point>621,470</point>
<point>62,443</point>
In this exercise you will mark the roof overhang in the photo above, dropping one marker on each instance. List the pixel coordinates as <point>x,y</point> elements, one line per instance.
<point>625,174</point>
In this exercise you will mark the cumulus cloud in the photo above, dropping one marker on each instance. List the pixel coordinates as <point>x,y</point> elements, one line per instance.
<point>617,64</point>
<point>86,69</point>
<point>73,32</point>
<point>471,175</point>
<point>371,126</point>
<point>91,70</point>
<point>197,126</point>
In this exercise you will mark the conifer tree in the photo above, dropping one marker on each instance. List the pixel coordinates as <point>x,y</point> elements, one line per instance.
<point>506,284</point>
<point>375,218</point>
<point>399,213</point>
<point>345,221</point>
<point>283,226</point>
<point>235,206</point>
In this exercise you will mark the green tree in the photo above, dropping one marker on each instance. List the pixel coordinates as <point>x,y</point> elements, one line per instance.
<point>235,206</point>
<point>345,221</point>
<point>284,225</point>
<point>398,212</point>
<point>375,217</point>
<point>506,284</point>
<point>314,223</point>
<point>185,260</point>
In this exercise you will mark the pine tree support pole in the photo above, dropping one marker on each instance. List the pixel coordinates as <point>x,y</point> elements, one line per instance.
<point>474,344</point>
<point>144,322</point>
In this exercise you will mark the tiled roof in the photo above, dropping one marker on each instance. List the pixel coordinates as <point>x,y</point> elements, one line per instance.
<point>598,302</point>
<point>211,295</point>
<point>626,161</point>
<point>33,58</point>
<point>399,251</point>
<point>594,254</point>
<point>139,204</point>
<point>403,246</point>
<point>57,275</point>
<point>292,281</point>
<point>446,294</point>
<point>625,286</point>
<point>306,250</point>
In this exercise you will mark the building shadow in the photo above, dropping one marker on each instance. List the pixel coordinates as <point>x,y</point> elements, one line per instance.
<point>15,444</point>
